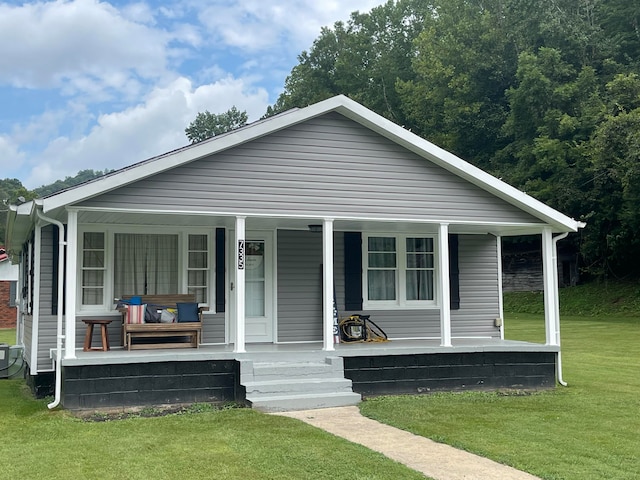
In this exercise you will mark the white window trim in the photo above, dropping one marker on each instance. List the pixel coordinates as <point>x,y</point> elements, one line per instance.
<point>110,231</point>
<point>401,268</point>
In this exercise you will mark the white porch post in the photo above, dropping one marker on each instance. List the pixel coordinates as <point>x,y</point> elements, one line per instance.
<point>443,284</point>
<point>327,284</point>
<point>550,290</point>
<point>70,304</point>
<point>239,288</point>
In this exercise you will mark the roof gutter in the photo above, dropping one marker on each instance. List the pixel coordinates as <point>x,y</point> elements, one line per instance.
<point>557,306</point>
<point>59,335</point>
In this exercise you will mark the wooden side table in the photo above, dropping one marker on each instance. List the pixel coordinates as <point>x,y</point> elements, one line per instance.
<point>89,335</point>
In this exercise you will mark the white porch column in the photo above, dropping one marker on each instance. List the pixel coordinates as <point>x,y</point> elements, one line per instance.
<point>327,284</point>
<point>550,290</point>
<point>239,287</point>
<point>72,268</point>
<point>444,287</point>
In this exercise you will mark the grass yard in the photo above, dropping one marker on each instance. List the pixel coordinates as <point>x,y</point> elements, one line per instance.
<point>589,430</point>
<point>8,335</point>
<point>231,444</point>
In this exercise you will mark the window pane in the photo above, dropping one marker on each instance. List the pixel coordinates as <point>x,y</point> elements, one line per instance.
<point>200,293</point>
<point>382,244</point>
<point>419,260</point>
<point>92,296</point>
<point>197,259</point>
<point>197,242</point>
<point>420,285</point>
<point>92,278</point>
<point>93,259</point>
<point>94,240</point>
<point>382,260</point>
<point>419,244</point>
<point>197,277</point>
<point>382,284</point>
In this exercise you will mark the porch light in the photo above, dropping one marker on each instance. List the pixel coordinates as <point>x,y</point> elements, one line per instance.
<point>316,228</point>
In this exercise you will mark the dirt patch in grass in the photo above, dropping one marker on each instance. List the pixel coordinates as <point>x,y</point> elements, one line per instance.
<point>113,414</point>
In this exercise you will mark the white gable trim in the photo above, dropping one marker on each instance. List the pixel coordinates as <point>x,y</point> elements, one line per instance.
<point>349,109</point>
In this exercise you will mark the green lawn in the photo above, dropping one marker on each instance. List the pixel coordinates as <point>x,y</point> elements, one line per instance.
<point>8,335</point>
<point>589,430</point>
<point>225,444</point>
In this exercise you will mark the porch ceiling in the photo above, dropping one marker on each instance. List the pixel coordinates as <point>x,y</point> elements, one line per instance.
<point>302,223</point>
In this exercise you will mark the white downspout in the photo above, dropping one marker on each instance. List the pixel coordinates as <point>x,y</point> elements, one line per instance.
<point>59,336</point>
<point>557,306</point>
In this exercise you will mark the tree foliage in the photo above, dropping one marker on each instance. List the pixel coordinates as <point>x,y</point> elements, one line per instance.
<point>207,124</point>
<point>541,93</point>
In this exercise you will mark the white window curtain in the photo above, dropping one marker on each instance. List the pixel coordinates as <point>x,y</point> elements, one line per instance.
<point>145,264</point>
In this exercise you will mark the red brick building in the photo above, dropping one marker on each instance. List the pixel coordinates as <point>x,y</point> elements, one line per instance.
<point>8,282</point>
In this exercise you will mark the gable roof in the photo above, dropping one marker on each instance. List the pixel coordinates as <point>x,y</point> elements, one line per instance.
<point>339,104</point>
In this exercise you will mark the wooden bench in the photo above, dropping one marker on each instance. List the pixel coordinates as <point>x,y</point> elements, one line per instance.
<point>163,331</point>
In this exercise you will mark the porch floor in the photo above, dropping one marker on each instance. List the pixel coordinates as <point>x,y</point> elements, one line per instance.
<point>299,351</point>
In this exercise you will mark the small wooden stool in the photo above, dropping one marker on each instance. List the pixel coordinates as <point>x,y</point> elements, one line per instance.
<point>89,335</point>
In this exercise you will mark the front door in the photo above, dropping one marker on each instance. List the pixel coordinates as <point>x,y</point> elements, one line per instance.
<point>259,326</point>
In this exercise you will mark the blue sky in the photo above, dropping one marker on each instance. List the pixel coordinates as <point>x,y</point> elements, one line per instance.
<point>86,84</point>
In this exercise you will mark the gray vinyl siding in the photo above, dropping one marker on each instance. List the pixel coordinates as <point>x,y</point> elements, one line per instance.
<point>299,282</point>
<point>47,323</point>
<point>479,292</point>
<point>213,326</point>
<point>27,338</point>
<point>328,165</point>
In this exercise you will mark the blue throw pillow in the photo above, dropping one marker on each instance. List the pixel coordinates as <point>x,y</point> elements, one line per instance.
<point>188,312</point>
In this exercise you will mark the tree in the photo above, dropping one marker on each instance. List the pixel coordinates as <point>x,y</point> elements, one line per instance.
<point>362,59</point>
<point>207,125</point>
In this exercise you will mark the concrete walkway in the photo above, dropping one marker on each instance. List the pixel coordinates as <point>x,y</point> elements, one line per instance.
<point>435,460</point>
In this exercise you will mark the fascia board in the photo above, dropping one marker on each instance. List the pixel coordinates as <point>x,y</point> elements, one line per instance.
<point>459,167</point>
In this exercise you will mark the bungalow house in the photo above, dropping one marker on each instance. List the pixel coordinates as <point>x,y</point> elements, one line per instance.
<point>277,228</point>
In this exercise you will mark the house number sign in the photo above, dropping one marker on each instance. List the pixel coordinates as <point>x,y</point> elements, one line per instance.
<point>240,254</point>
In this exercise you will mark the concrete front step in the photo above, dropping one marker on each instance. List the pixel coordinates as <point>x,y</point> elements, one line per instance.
<point>298,385</point>
<point>270,371</point>
<point>303,401</point>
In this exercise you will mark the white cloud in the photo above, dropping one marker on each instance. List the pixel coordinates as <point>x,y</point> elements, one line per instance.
<point>150,128</point>
<point>258,25</point>
<point>11,158</point>
<point>73,44</point>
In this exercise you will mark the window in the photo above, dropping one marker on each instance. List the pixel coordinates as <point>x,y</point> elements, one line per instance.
<point>93,255</point>
<point>198,266</point>
<point>400,271</point>
<point>13,293</point>
<point>116,264</point>
<point>145,264</point>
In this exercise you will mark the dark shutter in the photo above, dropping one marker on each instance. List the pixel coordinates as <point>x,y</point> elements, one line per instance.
<point>352,271</point>
<point>220,263</point>
<point>55,238</point>
<point>454,273</point>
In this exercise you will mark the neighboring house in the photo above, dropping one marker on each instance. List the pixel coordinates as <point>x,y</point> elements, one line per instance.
<point>268,224</point>
<point>8,294</point>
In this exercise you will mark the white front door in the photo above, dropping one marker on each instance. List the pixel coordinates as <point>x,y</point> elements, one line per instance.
<point>259,322</point>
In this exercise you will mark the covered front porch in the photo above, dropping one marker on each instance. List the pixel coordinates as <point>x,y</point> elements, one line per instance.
<point>308,273</point>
